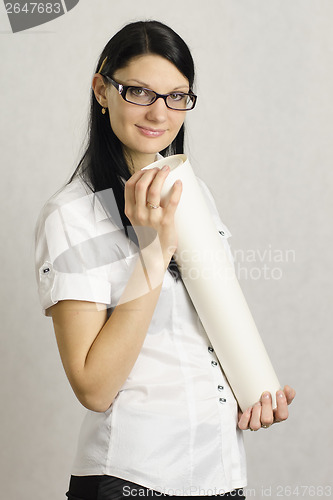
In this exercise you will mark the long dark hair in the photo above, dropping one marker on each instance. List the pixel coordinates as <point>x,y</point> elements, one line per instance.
<point>103,163</point>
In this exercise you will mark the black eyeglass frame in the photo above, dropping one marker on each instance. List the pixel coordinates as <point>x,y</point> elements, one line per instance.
<point>122,89</point>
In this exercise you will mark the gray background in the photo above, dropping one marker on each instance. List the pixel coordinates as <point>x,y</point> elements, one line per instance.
<point>261,138</point>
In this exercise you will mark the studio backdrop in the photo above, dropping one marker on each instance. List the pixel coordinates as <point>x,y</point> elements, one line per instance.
<point>261,139</point>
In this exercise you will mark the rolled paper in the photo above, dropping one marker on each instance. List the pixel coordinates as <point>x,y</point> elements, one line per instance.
<point>210,279</point>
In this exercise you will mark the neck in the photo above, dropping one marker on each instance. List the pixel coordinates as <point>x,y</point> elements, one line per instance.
<point>137,161</point>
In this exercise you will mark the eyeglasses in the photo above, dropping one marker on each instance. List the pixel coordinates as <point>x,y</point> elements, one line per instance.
<point>179,101</point>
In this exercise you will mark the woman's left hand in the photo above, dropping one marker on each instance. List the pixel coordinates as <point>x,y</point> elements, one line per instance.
<point>262,414</point>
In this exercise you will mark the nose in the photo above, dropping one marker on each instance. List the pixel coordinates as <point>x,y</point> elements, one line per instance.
<point>157,111</point>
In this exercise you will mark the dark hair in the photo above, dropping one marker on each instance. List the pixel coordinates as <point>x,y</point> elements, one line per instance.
<point>103,163</point>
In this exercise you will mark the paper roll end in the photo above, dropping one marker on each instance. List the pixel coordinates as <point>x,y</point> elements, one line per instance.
<point>173,162</point>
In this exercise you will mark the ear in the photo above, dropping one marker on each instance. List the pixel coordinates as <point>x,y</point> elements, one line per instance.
<point>99,89</point>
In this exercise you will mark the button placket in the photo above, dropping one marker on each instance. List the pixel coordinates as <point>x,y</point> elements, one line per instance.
<point>214,364</point>
<point>220,388</point>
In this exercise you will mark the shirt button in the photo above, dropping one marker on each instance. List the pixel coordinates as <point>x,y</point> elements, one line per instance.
<point>220,387</point>
<point>221,232</point>
<point>222,400</point>
<point>210,349</point>
<point>213,363</point>
<point>46,270</point>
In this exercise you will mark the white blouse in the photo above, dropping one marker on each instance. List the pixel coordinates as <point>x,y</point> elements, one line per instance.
<point>173,425</point>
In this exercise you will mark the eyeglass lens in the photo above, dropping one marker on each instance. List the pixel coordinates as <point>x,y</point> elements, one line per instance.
<point>144,97</point>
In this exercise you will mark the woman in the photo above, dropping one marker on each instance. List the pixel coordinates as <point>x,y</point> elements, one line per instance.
<point>161,416</point>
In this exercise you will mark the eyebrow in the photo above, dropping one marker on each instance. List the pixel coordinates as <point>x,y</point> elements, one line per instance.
<point>143,84</point>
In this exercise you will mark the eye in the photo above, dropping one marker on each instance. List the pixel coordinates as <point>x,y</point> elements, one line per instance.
<point>137,92</point>
<point>177,96</point>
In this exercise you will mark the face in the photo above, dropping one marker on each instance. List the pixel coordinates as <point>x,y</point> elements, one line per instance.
<point>146,130</point>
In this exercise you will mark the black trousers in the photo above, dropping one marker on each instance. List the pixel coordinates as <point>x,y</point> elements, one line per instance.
<point>114,488</point>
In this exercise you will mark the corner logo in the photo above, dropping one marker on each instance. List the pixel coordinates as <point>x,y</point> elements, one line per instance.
<point>24,15</point>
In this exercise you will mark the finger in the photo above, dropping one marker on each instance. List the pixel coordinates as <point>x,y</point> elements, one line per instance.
<point>172,202</point>
<point>267,416</point>
<point>244,419</point>
<point>129,191</point>
<point>281,412</point>
<point>255,422</point>
<point>142,185</point>
<point>290,393</point>
<point>155,188</point>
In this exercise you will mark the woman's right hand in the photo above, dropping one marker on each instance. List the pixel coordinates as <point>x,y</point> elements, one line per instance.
<point>145,186</point>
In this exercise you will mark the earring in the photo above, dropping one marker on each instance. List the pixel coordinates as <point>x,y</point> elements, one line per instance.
<point>103,111</point>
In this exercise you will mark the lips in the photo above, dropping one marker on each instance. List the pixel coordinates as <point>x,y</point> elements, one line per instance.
<point>150,132</point>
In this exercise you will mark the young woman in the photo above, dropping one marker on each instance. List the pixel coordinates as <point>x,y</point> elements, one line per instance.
<point>161,417</point>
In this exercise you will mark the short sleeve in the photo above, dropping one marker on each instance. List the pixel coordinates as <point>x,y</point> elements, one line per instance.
<point>220,226</point>
<point>74,243</point>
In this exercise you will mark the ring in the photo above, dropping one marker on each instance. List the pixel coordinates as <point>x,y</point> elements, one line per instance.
<point>150,205</point>
<point>251,429</point>
<point>264,426</point>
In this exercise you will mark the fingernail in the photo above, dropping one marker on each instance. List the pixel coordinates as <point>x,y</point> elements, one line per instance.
<point>266,395</point>
<point>165,168</point>
<point>280,394</point>
<point>258,403</point>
